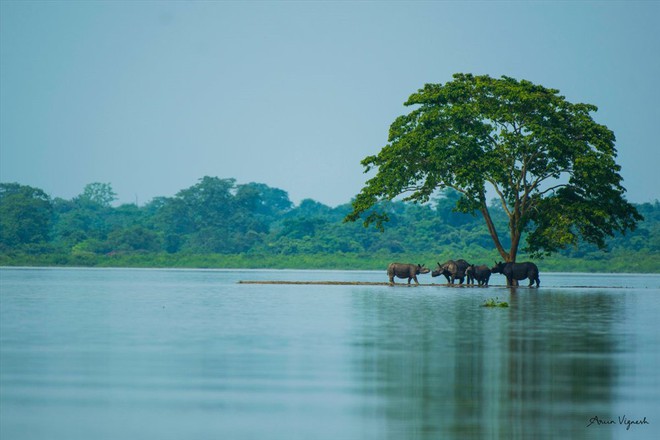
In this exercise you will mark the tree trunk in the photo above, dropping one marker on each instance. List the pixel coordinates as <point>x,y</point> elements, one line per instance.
<point>515,241</point>
<point>493,232</point>
<point>514,221</point>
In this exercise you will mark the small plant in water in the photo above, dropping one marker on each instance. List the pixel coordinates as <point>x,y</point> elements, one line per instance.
<point>495,303</point>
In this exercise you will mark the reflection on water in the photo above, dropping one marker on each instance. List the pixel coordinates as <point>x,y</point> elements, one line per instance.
<point>539,369</point>
<point>192,354</point>
<point>561,362</point>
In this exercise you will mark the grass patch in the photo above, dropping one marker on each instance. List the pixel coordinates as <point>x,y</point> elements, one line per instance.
<point>495,302</point>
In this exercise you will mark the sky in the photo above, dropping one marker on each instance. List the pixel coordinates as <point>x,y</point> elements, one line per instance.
<point>151,96</point>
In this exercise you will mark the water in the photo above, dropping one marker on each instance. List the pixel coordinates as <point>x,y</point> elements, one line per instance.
<point>192,354</point>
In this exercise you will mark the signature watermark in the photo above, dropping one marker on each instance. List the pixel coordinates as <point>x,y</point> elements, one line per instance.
<point>620,420</point>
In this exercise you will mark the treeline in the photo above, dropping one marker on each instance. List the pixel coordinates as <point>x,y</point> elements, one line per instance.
<point>219,223</point>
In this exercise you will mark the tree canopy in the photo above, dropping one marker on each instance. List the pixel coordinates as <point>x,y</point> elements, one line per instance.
<point>550,165</point>
<point>218,223</point>
<point>25,215</point>
<point>98,193</point>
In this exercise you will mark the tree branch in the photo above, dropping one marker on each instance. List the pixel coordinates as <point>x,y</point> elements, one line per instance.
<point>562,185</point>
<point>502,199</point>
<point>491,229</point>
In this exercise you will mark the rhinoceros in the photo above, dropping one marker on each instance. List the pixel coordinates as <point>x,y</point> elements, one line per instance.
<point>405,270</point>
<point>480,274</point>
<point>518,271</point>
<point>452,270</point>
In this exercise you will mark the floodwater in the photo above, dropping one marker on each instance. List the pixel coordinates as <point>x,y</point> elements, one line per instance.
<point>193,354</point>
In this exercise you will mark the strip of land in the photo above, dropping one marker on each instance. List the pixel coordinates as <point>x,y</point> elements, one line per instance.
<point>372,283</point>
<point>354,283</point>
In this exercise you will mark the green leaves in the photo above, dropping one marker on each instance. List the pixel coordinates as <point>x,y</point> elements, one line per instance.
<point>216,215</point>
<point>550,164</point>
<point>495,302</point>
<point>98,193</point>
<point>25,215</point>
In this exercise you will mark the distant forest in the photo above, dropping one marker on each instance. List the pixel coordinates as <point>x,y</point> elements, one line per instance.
<point>219,223</point>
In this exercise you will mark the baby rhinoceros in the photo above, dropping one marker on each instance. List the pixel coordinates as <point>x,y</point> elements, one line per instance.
<point>481,274</point>
<point>404,270</point>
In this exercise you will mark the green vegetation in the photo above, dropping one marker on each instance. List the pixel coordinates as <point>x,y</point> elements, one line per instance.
<point>551,165</point>
<point>220,224</point>
<point>494,302</point>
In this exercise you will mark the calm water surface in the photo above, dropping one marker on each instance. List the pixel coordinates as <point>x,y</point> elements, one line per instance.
<point>192,354</point>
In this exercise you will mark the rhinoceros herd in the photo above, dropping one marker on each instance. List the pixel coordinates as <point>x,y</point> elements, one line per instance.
<point>459,270</point>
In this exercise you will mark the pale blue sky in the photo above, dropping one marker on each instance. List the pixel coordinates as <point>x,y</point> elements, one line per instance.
<point>151,96</point>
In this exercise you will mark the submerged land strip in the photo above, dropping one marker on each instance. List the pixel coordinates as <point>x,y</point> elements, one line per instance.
<point>323,283</point>
<point>375,283</point>
<point>347,283</point>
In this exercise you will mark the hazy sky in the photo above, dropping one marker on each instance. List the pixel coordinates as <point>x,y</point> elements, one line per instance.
<point>151,96</point>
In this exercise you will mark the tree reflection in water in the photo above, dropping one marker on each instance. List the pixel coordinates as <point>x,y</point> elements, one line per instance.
<point>437,365</point>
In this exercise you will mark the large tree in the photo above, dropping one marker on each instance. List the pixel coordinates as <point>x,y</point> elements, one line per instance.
<point>98,193</point>
<point>548,162</point>
<point>25,215</point>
